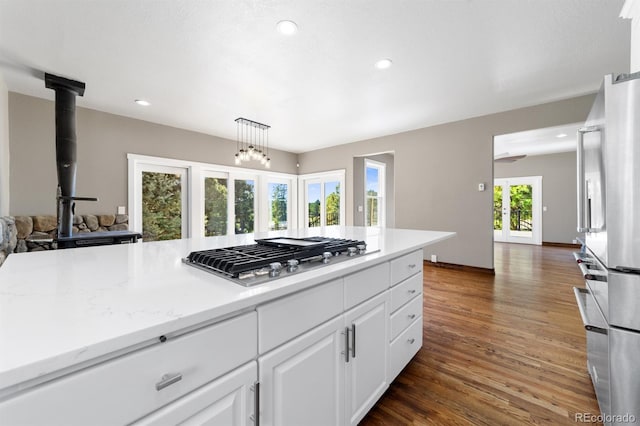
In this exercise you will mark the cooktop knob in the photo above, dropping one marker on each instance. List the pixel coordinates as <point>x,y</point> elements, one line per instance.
<point>351,251</point>
<point>274,269</point>
<point>361,248</point>
<point>326,256</point>
<point>292,265</point>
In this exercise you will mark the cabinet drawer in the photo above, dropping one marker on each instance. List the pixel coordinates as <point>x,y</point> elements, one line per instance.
<point>405,291</point>
<point>405,316</point>
<point>226,401</point>
<point>365,284</point>
<point>126,388</point>
<point>406,345</point>
<point>291,316</point>
<point>405,266</point>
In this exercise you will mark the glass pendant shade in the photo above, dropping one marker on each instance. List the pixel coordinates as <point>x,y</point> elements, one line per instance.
<point>252,142</point>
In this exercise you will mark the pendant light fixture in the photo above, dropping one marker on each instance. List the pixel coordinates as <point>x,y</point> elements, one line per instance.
<point>252,142</point>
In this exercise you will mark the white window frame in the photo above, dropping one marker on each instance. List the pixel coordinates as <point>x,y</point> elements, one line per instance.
<point>382,182</point>
<point>196,172</point>
<point>291,202</point>
<point>135,192</point>
<point>321,178</point>
<point>200,218</point>
<point>231,214</point>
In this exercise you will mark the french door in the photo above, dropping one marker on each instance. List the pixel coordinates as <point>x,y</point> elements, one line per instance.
<point>517,210</point>
<point>323,200</point>
<point>163,195</point>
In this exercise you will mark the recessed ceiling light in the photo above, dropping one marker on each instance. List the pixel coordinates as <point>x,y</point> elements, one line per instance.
<point>561,135</point>
<point>142,102</point>
<point>287,27</point>
<point>383,64</point>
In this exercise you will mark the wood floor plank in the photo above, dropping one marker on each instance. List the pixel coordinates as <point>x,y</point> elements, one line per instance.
<point>507,349</point>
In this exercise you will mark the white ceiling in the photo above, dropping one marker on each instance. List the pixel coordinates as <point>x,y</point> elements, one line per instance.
<point>537,142</point>
<point>202,64</point>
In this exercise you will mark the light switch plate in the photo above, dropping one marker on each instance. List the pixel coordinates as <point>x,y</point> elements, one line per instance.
<point>360,209</point>
<point>481,187</point>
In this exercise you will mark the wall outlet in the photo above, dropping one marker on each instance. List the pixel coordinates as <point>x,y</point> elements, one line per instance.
<point>434,258</point>
<point>575,241</point>
<point>544,208</point>
<point>122,210</point>
<point>360,209</point>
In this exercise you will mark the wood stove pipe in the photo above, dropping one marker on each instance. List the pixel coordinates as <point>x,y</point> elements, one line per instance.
<point>66,161</point>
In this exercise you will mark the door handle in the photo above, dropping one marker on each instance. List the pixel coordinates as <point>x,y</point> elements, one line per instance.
<point>256,404</point>
<point>582,196</point>
<point>346,344</point>
<point>353,339</point>
<point>580,300</point>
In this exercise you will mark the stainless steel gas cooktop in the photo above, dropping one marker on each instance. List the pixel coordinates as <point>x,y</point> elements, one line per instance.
<point>274,258</point>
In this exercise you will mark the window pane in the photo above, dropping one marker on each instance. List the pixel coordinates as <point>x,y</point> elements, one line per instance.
<point>244,196</point>
<point>497,208</point>
<point>373,181</point>
<point>161,206</point>
<point>215,207</point>
<point>332,203</point>
<point>521,208</point>
<point>313,195</point>
<point>278,196</point>
<point>372,212</point>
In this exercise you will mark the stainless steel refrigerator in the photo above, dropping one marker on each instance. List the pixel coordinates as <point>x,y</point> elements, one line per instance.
<point>608,156</point>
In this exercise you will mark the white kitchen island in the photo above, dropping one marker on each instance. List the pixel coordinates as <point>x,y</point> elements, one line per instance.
<point>123,334</point>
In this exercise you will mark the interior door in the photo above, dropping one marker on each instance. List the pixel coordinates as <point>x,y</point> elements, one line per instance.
<point>517,210</point>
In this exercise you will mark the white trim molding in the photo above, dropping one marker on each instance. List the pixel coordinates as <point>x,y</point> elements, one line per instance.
<point>194,174</point>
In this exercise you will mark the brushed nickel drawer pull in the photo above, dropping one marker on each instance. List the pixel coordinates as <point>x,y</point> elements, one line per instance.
<point>255,418</point>
<point>168,380</point>
<point>353,338</point>
<point>411,316</point>
<point>412,291</point>
<point>412,265</point>
<point>346,344</point>
<point>411,341</point>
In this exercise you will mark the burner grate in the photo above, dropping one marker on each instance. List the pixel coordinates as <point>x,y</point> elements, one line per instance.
<point>232,261</point>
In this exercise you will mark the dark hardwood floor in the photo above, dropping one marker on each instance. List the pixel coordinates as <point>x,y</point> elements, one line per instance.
<point>507,349</point>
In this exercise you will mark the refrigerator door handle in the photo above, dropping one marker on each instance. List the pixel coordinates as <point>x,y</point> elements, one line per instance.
<point>582,194</point>
<point>581,294</point>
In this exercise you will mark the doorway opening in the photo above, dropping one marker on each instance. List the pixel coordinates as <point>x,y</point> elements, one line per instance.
<point>517,210</point>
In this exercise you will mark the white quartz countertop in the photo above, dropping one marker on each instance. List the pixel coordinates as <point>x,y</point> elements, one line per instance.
<point>66,307</point>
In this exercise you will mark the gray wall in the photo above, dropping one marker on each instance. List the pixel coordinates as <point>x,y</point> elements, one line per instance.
<point>103,143</point>
<point>558,173</point>
<point>4,148</point>
<point>437,171</point>
<point>358,188</point>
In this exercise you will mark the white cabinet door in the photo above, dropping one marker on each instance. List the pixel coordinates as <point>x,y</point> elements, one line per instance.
<point>228,401</point>
<point>366,371</point>
<point>302,382</point>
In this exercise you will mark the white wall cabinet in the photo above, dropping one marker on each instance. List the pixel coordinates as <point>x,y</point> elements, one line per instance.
<point>228,401</point>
